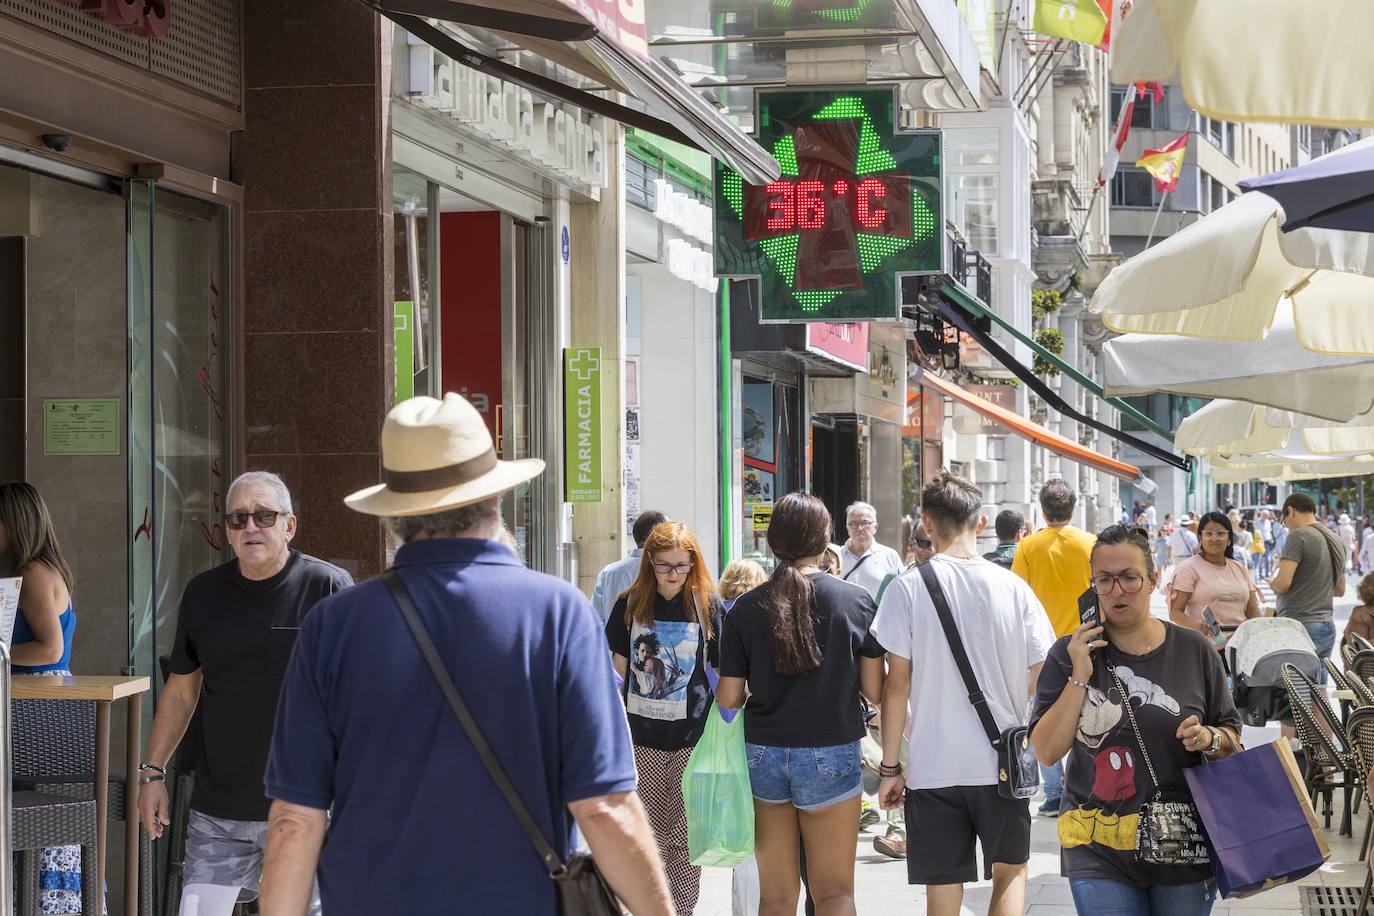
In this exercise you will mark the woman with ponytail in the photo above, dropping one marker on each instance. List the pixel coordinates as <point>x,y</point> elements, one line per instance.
<point>662,631</point>
<point>801,644</point>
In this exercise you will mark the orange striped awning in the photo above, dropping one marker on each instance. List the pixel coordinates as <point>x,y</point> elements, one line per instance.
<point>1027,429</point>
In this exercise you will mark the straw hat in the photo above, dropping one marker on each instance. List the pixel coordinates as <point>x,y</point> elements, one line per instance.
<point>438,455</point>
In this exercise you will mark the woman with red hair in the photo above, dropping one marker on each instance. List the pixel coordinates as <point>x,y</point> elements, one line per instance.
<point>662,631</point>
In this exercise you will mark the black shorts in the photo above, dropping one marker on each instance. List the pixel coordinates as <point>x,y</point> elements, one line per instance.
<point>941,825</point>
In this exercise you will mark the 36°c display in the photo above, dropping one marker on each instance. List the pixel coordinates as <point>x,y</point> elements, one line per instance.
<point>858,206</point>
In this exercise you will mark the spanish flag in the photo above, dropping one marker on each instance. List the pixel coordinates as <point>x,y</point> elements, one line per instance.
<point>1165,163</point>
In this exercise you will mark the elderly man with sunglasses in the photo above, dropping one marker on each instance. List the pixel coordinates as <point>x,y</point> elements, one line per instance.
<point>235,631</point>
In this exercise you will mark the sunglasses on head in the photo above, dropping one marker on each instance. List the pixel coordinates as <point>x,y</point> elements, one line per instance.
<point>923,543</point>
<point>263,518</point>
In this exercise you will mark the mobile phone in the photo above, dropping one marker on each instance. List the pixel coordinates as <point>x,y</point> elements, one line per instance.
<point>1213,627</point>
<point>1088,609</point>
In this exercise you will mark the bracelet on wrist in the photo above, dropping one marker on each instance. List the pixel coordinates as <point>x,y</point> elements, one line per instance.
<point>144,767</point>
<point>156,777</point>
<point>887,770</point>
<point>1077,683</point>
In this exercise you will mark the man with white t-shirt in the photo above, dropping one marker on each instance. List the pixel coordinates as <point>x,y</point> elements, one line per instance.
<point>863,560</point>
<point>950,781</point>
<point>1183,542</point>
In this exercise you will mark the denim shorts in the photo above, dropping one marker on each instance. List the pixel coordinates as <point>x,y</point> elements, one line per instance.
<point>1103,897</point>
<point>1323,633</point>
<point>806,777</point>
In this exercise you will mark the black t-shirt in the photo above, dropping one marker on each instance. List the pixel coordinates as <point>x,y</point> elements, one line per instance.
<point>1105,777</point>
<point>667,694</point>
<point>239,632</point>
<point>820,708</point>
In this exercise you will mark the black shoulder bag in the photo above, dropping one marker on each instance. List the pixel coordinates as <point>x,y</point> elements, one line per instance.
<point>1018,772</point>
<point>581,889</point>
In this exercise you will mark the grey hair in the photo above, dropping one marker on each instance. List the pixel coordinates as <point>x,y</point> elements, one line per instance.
<point>266,478</point>
<point>481,519</point>
<point>862,506</point>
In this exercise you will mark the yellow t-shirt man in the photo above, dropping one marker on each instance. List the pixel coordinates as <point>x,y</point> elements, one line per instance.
<point>1056,563</point>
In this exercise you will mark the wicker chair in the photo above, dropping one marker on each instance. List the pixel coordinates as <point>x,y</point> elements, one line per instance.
<point>1326,746</point>
<point>1337,675</point>
<point>41,820</point>
<point>1361,643</point>
<point>1361,663</point>
<point>54,755</point>
<point>1364,692</point>
<point>1361,731</point>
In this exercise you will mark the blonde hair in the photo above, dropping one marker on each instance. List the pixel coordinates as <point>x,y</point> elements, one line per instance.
<point>29,527</point>
<point>739,577</point>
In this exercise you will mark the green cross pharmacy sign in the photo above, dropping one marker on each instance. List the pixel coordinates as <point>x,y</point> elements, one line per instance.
<point>857,207</point>
<point>582,425</point>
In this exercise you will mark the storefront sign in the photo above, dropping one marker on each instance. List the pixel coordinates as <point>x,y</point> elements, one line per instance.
<point>763,514</point>
<point>683,212</point>
<point>858,206</point>
<point>1002,396</point>
<point>145,18</point>
<point>846,344</point>
<point>566,140</point>
<point>403,338</point>
<point>582,425</point>
<point>620,21</point>
<point>81,426</point>
<point>689,263</point>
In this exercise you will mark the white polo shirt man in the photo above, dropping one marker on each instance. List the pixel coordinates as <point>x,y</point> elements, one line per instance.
<point>863,560</point>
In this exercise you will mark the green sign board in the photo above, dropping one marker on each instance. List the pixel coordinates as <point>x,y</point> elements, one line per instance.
<point>582,425</point>
<point>403,335</point>
<point>81,426</point>
<point>858,207</point>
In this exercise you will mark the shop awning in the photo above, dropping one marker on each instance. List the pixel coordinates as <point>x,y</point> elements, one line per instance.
<point>594,39</point>
<point>1029,430</point>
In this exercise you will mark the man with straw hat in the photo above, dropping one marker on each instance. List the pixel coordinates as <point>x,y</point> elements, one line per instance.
<point>366,732</point>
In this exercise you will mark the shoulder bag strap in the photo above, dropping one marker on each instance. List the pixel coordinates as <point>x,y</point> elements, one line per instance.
<point>856,566</point>
<point>956,646</point>
<point>1331,542</point>
<point>541,845</point>
<point>1135,727</point>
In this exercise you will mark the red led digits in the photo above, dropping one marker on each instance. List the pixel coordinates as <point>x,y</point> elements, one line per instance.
<point>869,190</point>
<point>810,204</point>
<point>781,216</point>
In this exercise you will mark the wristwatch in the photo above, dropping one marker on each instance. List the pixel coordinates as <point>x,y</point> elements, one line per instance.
<point>1216,742</point>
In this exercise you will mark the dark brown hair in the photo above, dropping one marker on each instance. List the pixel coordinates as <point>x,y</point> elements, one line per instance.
<point>29,527</point>
<point>951,502</point>
<point>1127,534</point>
<point>1366,590</point>
<point>800,528</point>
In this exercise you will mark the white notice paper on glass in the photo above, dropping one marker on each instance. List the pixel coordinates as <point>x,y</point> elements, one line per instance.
<point>208,900</point>
<point>9,607</point>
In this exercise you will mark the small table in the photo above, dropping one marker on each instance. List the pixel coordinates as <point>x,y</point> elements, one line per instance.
<point>103,691</point>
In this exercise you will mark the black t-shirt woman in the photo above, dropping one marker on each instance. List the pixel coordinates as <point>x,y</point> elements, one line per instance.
<point>801,641</point>
<point>662,631</point>
<point>1173,681</point>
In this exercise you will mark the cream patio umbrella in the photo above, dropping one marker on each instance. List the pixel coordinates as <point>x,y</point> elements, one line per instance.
<point>1276,371</point>
<point>1226,427</point>
<point>1229,275</point>
<point>1254,60</point>
<point>1287,466</point>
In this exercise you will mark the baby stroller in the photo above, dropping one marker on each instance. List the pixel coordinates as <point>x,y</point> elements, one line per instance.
<point>1258,651</point>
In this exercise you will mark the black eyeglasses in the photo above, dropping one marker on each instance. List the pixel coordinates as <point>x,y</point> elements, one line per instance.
<point>670,569</point>
<point>263,518</point>
<point>1130,582</point>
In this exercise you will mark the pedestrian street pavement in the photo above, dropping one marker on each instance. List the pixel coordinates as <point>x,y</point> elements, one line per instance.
<point>881,888</point>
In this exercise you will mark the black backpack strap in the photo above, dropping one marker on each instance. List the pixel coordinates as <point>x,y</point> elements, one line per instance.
<point>552,861</point>
<point>956,646</point>
<point>856,566</point>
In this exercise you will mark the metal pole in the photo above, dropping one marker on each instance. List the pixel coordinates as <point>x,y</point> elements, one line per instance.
<point>6,790</point>
<point>1155,224</point>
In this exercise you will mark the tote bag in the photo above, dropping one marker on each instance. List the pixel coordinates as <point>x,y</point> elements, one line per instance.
<point>1249,854</point>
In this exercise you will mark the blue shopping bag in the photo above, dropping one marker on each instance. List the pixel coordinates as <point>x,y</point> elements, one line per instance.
<point>1253,854</point>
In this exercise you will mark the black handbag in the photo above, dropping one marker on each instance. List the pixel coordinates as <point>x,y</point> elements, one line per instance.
<point>1018,772</point>
<point>1169,832</point>
<point>581,889</point>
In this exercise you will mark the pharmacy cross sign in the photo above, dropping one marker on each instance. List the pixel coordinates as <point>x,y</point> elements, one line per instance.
<point>583,364</point>
<point>858,206</point>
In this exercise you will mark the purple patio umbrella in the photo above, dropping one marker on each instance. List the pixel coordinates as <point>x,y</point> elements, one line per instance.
<point>1335,191</point>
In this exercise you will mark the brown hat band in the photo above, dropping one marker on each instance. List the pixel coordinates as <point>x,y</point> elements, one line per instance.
<point>443,478</point>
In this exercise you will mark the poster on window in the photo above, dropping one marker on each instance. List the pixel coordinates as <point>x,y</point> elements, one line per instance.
<point>758,486</point>
<point>756,421</point>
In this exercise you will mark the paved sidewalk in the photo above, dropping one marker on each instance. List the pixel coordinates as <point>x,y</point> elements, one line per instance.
<point>881,888</point>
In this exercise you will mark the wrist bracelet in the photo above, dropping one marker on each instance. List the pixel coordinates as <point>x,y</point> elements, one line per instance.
<point>886,770</point>
<point>153,767</point>
<point>156,777</point>
<point>1077,683</point>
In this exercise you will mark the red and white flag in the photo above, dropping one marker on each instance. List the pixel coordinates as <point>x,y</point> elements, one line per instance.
<point>1123,127</point>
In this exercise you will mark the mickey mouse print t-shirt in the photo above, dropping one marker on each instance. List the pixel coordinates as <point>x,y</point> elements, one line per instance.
<point>1105,777</point>
<point>666,691</point>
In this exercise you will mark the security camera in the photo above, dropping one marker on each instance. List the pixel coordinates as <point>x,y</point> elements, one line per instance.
<point>58,143</point>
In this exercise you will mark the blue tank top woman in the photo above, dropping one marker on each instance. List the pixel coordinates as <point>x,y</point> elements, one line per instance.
<point>23,634</point>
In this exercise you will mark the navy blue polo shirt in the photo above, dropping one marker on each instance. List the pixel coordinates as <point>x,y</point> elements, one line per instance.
<point>363,730</point>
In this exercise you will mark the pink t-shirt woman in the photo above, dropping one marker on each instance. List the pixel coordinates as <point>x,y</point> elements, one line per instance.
<point>1227,589</point>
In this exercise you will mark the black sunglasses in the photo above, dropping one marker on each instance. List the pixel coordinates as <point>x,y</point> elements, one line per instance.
<point>263,518</point>
<point>923,543</point>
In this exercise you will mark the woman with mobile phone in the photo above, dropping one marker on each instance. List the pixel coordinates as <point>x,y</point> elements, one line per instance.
<point>1213,579</point>
<point>1132,702</point>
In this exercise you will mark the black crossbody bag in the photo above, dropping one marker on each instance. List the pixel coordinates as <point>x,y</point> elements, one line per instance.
<point>1018,772</point>
<point>581,889</point>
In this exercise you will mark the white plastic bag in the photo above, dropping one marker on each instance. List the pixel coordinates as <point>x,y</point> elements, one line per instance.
<point>744,889</point>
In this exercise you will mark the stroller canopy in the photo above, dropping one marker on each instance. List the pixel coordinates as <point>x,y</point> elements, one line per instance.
<point>1274,637</point>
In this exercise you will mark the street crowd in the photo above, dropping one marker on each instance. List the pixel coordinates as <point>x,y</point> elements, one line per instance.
<point>444,738</point>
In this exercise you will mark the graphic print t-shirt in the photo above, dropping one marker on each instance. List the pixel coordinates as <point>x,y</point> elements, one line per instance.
<point>1105,777</point>
<point>666,691</point>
